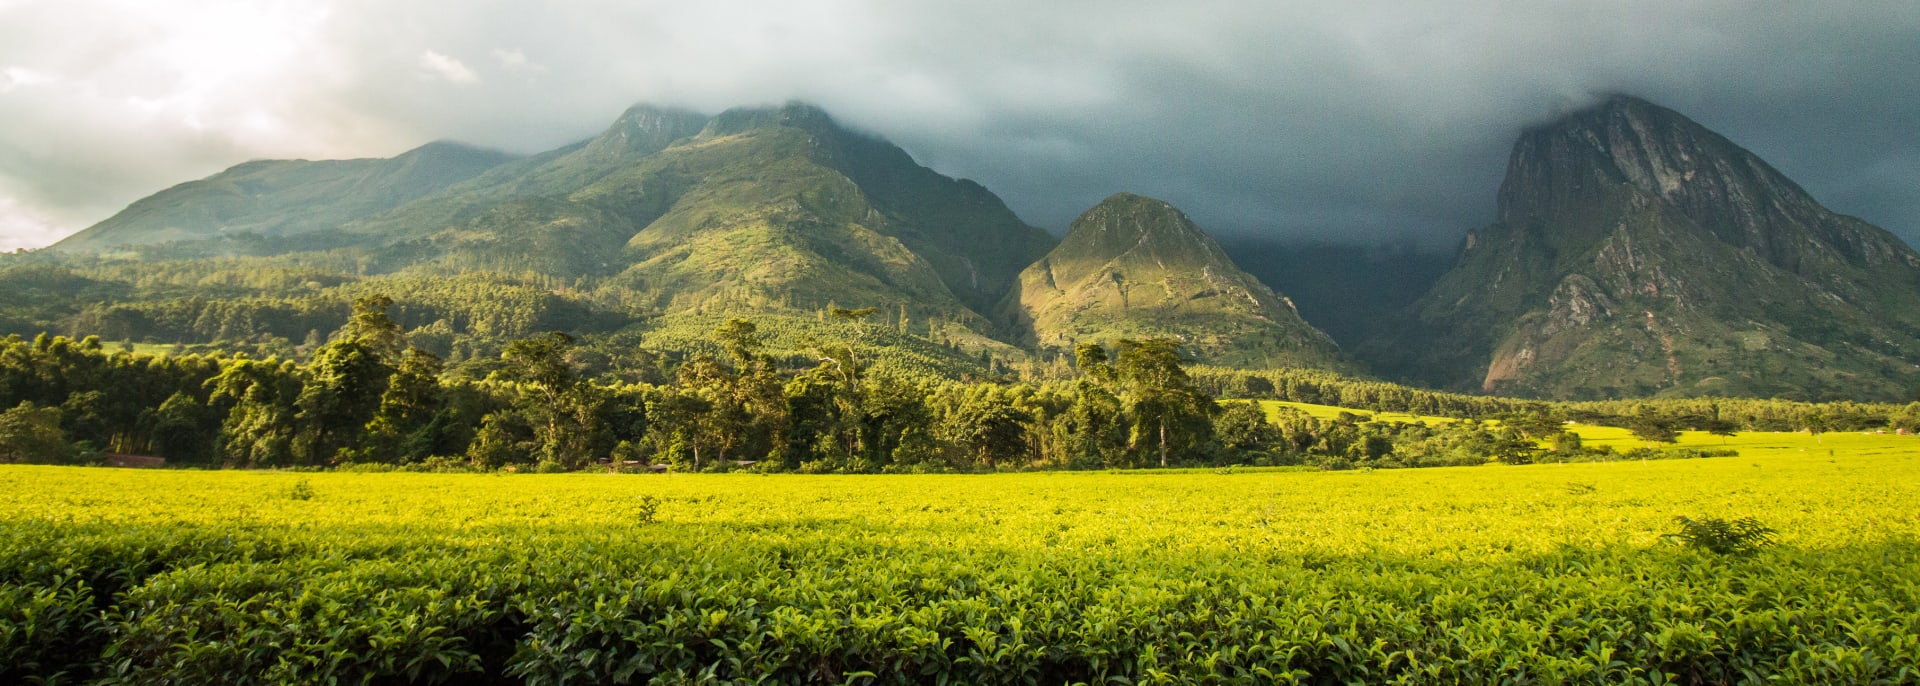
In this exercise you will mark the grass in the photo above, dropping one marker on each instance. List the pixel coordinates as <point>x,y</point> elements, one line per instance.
<point>154,349</point>
<point>1327,412</point>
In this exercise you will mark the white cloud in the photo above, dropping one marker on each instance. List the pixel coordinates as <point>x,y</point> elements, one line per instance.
<point>447,68</point>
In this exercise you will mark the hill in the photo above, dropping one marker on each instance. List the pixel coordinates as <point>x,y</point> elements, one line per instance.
<point>285,197</point>
<point>1136,267</point>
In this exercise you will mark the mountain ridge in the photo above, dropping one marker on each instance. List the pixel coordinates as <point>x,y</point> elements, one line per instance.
<point>1634,253</point>
<point>286,197</point>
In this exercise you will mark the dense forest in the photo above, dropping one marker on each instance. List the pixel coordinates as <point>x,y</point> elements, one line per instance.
<point>368,397</point>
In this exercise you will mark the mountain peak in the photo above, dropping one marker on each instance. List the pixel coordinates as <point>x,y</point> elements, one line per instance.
<point>1637,252</point>
<point>1126,224</point>
<point>1124,199</point>
<point>645,129</point>
<point>795,114</point>
<point>1134,266</point>
<point>1625,144</point>
<point>452,152</point>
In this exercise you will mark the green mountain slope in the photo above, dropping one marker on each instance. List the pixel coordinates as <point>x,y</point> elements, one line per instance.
<point>1136,267</point>
<point>1639,253</point>
<point>762,209</point>
<point>666,220</point>
<point>286,197</point>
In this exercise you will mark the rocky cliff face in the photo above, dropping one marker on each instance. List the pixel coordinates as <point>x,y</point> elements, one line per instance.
<point>1637,252</point>
<point>1721,188</point>
<point>1135,267</point>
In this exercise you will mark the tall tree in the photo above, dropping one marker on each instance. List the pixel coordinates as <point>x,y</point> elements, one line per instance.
<point>258,399</point>
<point>344,383</point>
<point>346,380</point>
<point>1168,409</point>
<point>402,428</point>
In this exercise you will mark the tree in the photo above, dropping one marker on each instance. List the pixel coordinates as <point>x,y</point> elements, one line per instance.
<point>1567,443</point>
<point>988,426</point>
<point>1167,408</point>
<point>741,340</point>
<point>1817,424</point>
<point>374,328</point>
<point>1723,428</point>
<point>1092,432</point>
<point>725,421</point>
<point>344,384</point>
<point>678,422</point>
<point>842,358</point>
<point>347,379</point>
<point>1908,419</point>
<point>1092,360</point>
<point>179,430</point>
<point>258,397</point>
<point>503,439</point>
<point>1535,423</point>
<point>30,433</point>
<point>564,408</point>
<point>1245,434</point>
<point>402,428</point>
<point>1653,429</point>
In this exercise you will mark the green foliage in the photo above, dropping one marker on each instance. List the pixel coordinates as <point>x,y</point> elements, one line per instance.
<point>1246,435</point>
<point>32,434</point>
<point>748,401</point>
<point>1170,412</point>
<point>1652,429</point>
<point>147,577</point>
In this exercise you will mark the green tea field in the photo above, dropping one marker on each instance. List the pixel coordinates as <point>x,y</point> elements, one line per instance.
<point>1545,573</point>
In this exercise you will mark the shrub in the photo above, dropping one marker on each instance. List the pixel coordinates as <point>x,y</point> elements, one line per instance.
<point>1722,537</point>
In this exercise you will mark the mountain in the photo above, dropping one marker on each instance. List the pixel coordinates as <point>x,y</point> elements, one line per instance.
<point>286,197</point>
<point>755,209</point>
<point>1638,253</point>
<point>666,219</point>
<point>1135,267</point>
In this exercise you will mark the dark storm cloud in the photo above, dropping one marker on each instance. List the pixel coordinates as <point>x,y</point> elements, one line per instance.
<point>1352,121</point>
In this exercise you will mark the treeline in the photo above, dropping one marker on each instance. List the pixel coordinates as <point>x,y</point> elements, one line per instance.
<point>367,397</point>
<point>370,396</point>
<point>1321,387</point>
<point>242,302</point>
<point>1696,414</point>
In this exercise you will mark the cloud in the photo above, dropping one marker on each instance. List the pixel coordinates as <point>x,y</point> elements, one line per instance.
<point>447,68</point>
<point>1353,121</point>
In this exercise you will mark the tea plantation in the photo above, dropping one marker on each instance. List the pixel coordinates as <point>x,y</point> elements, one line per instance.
<point>1546,573</point>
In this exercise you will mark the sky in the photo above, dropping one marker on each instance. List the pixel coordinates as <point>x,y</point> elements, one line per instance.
<point>1352,121</point>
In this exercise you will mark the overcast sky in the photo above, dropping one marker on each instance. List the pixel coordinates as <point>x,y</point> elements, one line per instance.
<point>1345,120</point>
